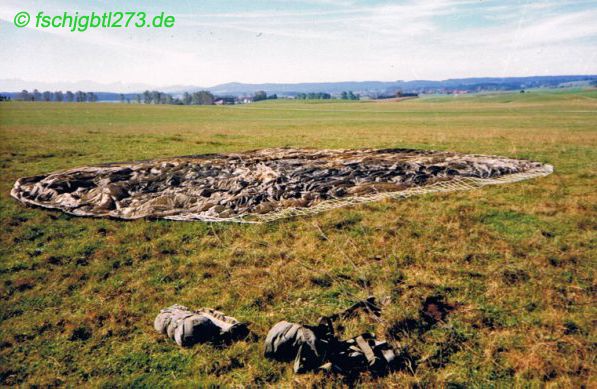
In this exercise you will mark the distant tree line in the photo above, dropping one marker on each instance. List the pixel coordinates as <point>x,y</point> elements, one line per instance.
<point>203,97</point>
<point>262,95</point>
<point>406,94</point>
<point>196,98</point>
<point>313,96</point>
<point>157,97</point>
<point>349,96</point>
<point>78,96</point>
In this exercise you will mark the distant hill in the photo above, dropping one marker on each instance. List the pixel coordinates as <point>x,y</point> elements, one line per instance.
<point>369,88</point>
<point>420,86</point>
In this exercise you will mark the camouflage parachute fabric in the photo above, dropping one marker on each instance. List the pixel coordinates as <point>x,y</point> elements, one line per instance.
<point>264,185</point>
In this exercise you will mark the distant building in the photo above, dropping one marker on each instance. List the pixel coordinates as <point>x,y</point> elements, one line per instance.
<point>226,100</point>
<point>245,100</point>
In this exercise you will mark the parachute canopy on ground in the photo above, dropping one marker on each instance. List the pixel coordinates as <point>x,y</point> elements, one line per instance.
<point>263,185</point>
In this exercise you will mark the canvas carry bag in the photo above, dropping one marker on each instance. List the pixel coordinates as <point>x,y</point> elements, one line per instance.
<point>188,327</point>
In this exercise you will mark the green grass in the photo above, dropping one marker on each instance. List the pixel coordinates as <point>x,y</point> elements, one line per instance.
<point>79,295</point>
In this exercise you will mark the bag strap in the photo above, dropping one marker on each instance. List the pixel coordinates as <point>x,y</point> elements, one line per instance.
<point>369,306</point>
<point>366,349</point>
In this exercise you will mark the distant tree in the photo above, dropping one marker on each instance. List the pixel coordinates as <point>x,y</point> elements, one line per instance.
<point>69,96</point>
<point>352,96</point>
<point>47,96</point>
<point>121,98</point>
<point>156,96</point>
<point>36,95</point>
<point>25,95</point>
<point>206,98</point>
<point>202,98</point>
<point>272,97</point>
<point>147,97</point>
<point>91,97</point>
<point>313,96</point>
<point>187,98</point>
<point>138,99</point>
<point>58,96</point>
<point>260,95</point>
<point>80,96</point>
<point>344,95</point>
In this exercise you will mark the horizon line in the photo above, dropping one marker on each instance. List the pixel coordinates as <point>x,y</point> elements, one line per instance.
<point>280,83</point>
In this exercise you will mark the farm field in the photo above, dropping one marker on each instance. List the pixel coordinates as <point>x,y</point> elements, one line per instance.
<point>515,263</point>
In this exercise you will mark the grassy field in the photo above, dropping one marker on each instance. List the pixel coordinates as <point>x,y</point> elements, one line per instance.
<point>517,262</point>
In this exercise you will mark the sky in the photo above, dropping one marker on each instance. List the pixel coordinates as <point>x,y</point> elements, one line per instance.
<point>219,41</point>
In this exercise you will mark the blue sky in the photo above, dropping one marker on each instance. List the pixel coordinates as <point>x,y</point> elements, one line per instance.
<point>305,41</point>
